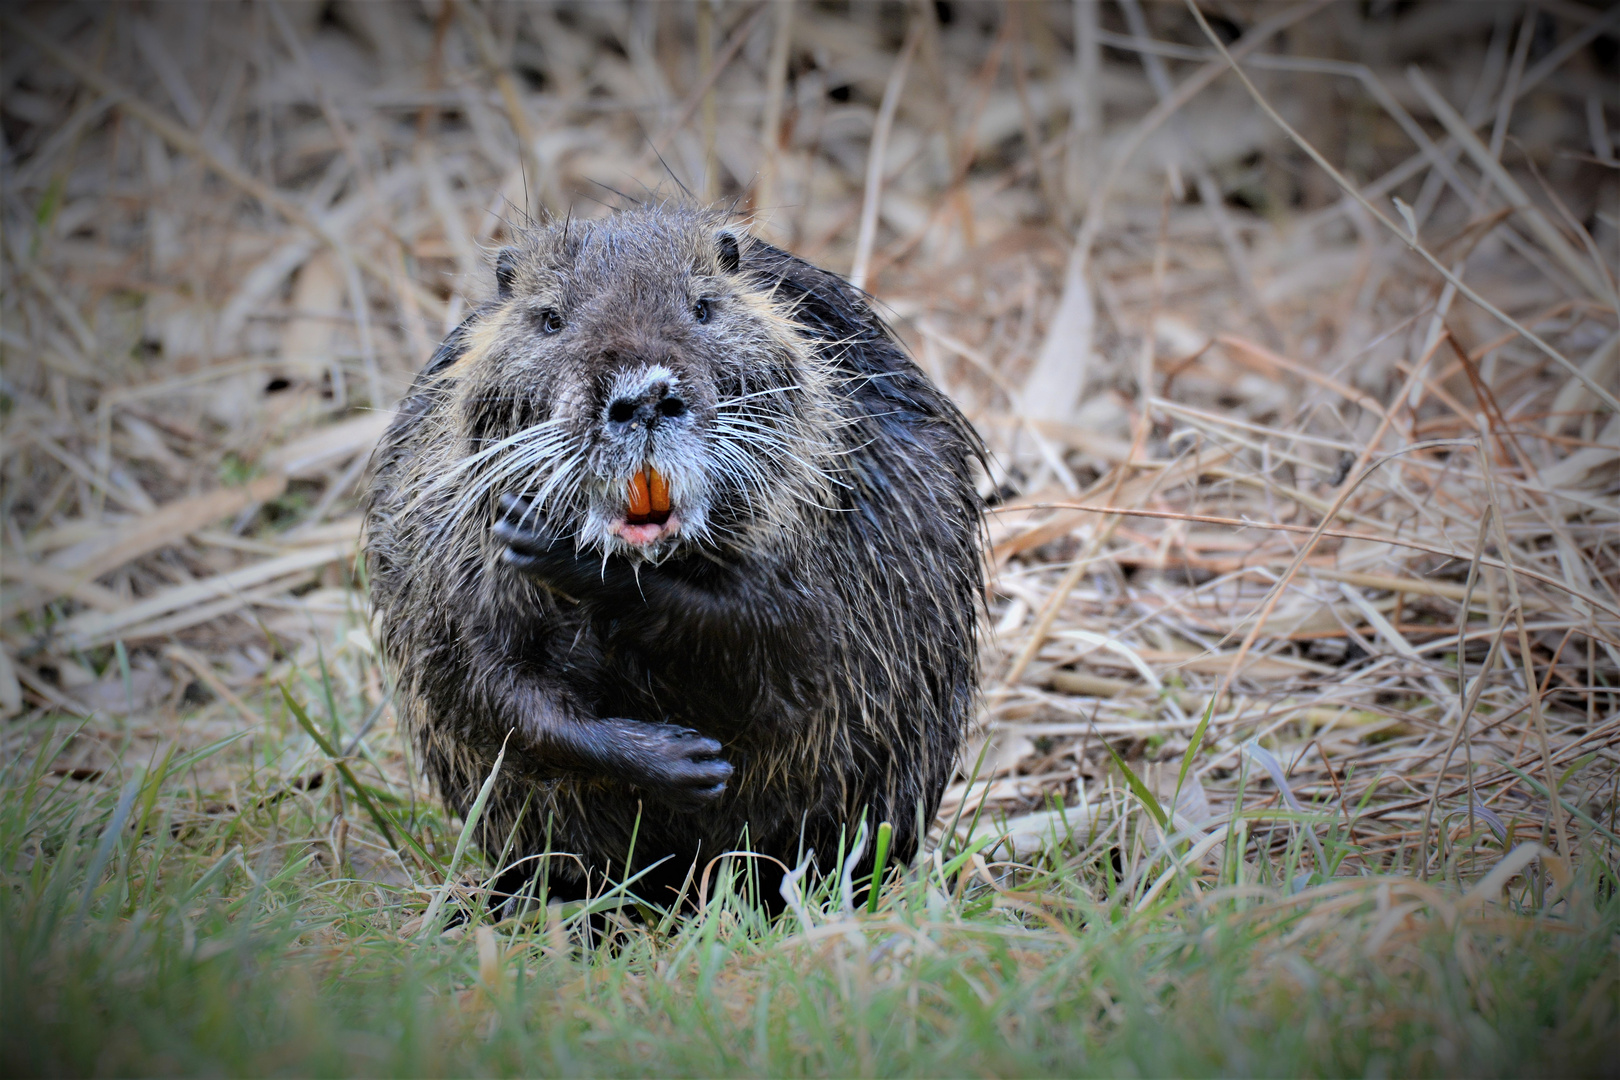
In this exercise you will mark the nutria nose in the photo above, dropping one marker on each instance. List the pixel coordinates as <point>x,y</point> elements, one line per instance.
<point>647,409</point>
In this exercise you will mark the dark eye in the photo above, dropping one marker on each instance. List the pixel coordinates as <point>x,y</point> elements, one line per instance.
<point>551,321</point>
<point>702,310</point>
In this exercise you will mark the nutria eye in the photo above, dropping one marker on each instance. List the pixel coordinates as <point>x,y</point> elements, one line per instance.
<point>701,311</point>
<point>550,321</point>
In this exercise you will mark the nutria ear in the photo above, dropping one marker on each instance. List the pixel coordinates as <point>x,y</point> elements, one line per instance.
<point>505,272</point>
<point>726,247</point>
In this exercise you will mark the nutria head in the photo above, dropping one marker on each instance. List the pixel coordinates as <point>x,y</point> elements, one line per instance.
<point>640,386</point>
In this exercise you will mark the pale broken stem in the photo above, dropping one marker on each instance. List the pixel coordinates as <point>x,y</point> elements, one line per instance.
<point>351,274</point>
<point>710,125</point>
<point>1190,88</point>
<point>954,197</point>
<point>1086,119</point>
<point>409,307</point>
<point>1510,91</point>
<point>187,143</point>
<point>873,198</point>
<point>1543,230</point>
<point>657,147</point>
<point>1209,191</point>
<point>1410,167</point>
<point>362,320</point>
<point>1075,295</point>
<point>1369,80</point>
<point>1468,697</point>
<point>511,99</point>
<point>1579,230</point>
<point>1409,240</point>
<point>1026,113</point>
<point>770,126</point>
<point>1105,531</point>
<point>1370,580</point>
<point>1359,472</point>
<point>1554,807</point>
<point>1066,585</point>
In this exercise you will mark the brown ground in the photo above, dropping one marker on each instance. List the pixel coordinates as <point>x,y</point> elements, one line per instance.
<point>233,231</point>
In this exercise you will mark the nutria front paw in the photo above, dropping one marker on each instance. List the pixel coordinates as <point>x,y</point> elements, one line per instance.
<point>522,528</point>
<point>678,763</point>
<point>535,550</point>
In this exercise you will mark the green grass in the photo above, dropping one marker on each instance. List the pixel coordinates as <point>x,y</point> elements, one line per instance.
<point>144,929</point>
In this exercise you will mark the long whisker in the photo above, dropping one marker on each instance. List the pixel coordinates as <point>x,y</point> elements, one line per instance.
<point>474,460</point>
<point>727,402</point>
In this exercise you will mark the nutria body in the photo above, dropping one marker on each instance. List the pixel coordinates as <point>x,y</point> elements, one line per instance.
<point>676,512</point>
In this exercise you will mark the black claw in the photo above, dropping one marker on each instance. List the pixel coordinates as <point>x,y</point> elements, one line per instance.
<point>683,765</point>
<point>699,797</point>
<point>514,510</point>
<point>522,531</point>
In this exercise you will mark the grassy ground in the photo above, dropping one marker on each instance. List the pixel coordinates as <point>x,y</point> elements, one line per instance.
<point>145,929</point>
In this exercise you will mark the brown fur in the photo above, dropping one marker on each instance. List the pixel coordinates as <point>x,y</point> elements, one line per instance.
<point>794,651</point>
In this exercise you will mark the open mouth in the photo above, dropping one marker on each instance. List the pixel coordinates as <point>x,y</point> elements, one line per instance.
<point>647,515</point>
<point>648,502</point>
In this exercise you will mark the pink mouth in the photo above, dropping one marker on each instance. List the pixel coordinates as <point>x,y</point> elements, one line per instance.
<point>642,534</point>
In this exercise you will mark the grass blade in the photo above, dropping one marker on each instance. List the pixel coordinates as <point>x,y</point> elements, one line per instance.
<point>330,751</point>
<point>1138,788</point>
<point>431,919</point>
<point>1192,751</point>
<point>880,861</point>
<point>109,840</point>
<point>960,860</point>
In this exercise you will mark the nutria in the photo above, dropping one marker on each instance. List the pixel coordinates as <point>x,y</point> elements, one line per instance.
<point>676,511</point>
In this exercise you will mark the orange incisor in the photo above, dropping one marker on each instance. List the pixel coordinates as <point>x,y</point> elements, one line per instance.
<point>658,490</point>
<point>649,493</point>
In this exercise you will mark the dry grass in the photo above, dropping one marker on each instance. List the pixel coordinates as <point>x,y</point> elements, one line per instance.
<point>1334,466</point>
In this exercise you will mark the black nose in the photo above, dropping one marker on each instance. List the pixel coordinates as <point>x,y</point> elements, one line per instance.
<point>647,409</point>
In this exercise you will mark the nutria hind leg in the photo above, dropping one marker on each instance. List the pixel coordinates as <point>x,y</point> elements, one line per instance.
<point>756,881</point>
<point>669,885</point>
<point>676,885</point>
<point>517,891</point>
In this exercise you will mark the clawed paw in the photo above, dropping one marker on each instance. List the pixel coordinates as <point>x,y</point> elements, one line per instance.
<point>523,530</point>
<point>682,764</point>
<point>532,548</point>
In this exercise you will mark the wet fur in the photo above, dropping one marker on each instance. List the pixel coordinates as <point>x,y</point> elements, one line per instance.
<point>819,624</point>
